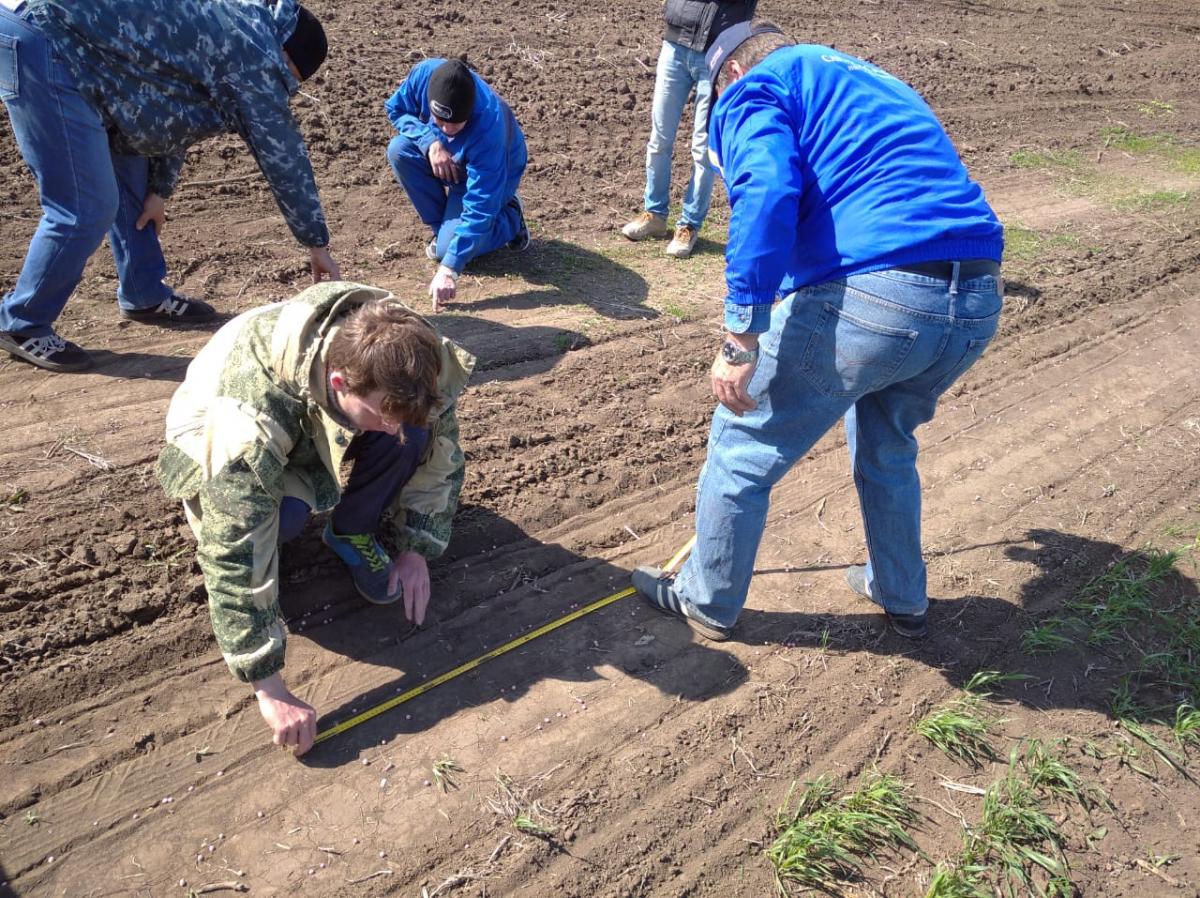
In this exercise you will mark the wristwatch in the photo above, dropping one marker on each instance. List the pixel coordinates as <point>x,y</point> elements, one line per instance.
<point>735,355</point>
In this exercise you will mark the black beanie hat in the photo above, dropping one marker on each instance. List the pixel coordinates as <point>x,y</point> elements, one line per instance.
<point>307,45</point>
<point>452,91</point>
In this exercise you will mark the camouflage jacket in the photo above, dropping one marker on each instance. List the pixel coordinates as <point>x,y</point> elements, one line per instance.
<point>165,74</point>
<point>252,422</point>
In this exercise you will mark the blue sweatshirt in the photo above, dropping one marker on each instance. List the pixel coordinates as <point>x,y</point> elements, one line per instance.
<point>833,168</point>
<point>491,148</point>
<point>164,74</point>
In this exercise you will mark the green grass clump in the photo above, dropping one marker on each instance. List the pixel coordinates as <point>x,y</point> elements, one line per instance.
<point>1120,597</point>
<point>1181,156</point>
<point>1016,843</point>
<point>821,837</point>
<point>1187,725</point>
<point>1045,638</point>
<point>1153,201</point>
<point>961,727</point>
<point>1035,159</point>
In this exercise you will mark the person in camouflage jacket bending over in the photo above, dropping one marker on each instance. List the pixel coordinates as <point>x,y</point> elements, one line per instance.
<point>272,410</point>
<point>105,97</point>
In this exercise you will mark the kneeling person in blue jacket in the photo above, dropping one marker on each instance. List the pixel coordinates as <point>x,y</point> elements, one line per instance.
<point>459,156</point>
<point>849,200</point>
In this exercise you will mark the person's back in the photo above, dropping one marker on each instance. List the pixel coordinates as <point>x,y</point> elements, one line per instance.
<point>863,176</point>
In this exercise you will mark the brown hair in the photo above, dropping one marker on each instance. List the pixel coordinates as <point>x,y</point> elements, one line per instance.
<point>752,51</point>
<point>383,346</point>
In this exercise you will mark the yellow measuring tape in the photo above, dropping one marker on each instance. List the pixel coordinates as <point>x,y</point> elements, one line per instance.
<point>421,689</point>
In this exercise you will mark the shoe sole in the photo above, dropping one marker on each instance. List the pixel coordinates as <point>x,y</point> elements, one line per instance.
<point>17,352</point>
<point>164,321</point>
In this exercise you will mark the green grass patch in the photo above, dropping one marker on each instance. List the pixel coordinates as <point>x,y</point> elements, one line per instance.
<point>1156,109</point>
<point>961,727</point>
<point>1181,156</point>
<point>1017,845</point>
<point>822,838</point>
<point>1153,201</point>
<point>1046,159</point>
<point>1024,246</point>
<point>1045,638</point>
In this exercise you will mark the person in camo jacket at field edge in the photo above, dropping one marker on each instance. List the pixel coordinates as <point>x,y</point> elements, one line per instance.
<point>105,97</point>
<point>847,197</point>
<point>692,26</point>
<point>459,156</point>
<point>257,434</point>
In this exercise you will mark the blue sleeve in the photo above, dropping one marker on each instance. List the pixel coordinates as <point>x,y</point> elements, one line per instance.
<point>763,176</point>
<point>406,106</point>
<point>487,175</point>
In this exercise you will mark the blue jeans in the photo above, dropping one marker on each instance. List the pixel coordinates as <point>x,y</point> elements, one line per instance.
<point>86,189</point>
<point>679,70</point>
<point>440,203</point>
<point>876,348</point>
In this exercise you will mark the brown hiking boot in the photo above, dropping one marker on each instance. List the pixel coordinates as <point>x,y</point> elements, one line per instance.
<point>647,224</point>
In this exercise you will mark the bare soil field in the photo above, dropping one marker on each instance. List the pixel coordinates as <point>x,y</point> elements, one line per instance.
<point>618,755</point>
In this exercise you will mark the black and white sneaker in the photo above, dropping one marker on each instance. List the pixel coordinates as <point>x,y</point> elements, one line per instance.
<point>521,242</point>
<point>431,250</point>
<point>175,309</point>
<point>49,351</point>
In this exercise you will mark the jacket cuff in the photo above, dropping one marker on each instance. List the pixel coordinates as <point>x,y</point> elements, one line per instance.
<point>261,662</point>
<point>747,319</point>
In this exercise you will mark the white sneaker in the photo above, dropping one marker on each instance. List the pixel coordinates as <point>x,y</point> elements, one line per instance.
<point>683,242</point>
<point>647,224</point>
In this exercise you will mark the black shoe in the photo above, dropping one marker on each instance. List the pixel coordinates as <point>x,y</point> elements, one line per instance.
<point>50,351</point>
<point>521,242</point>
<point>175,309</point>
<point>910,625</point>
<point>655,587</point>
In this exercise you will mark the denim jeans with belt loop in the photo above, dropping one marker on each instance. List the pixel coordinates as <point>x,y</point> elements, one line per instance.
<point>875,349</point>
<point>86,189</point>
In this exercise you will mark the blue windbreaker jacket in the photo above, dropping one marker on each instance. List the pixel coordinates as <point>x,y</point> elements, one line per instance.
<point>164,74</point>
<point>491,148</point>
<point>835,167</point>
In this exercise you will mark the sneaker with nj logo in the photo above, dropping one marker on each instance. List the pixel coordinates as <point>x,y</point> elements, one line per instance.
<point>175,309</point>
<point>369,564</point>
<point>49,351</point>
<point>912,626</point>
<point>657,588</point>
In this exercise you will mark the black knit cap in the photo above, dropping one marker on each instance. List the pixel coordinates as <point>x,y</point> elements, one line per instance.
<point>452,91</point>
<point>307,46</point>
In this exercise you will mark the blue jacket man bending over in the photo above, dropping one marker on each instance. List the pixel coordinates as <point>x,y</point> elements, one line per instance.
<point>105,98</point>
<point>848,199</point>
<point>459,156</point>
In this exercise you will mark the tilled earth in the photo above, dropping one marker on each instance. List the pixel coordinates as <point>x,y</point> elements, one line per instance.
<point>133,764</point>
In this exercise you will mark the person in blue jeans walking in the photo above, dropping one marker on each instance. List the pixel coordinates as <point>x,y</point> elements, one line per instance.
<point>459,155</point>
<point>692,26</point>
<point>104,98</point>
<point>848,198</point>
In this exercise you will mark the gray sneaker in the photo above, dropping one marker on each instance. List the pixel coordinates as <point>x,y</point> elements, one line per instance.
<point>647,224</point>
<point>655,587</point>
<point>912,626</point>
